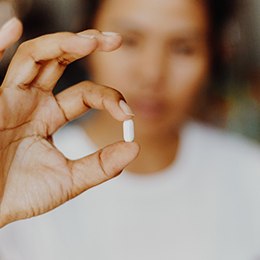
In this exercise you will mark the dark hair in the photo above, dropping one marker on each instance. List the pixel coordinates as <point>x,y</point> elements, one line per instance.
<point>220,11</point>
<point>220,14</point>
<point>90,9</point>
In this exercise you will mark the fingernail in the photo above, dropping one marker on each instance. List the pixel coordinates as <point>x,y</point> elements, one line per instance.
<point>110,34</point>
<point>126,109</point>
<point>88,36</point>
<point>9,23</point>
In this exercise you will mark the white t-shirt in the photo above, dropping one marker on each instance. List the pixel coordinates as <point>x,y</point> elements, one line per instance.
<point>206,206</point>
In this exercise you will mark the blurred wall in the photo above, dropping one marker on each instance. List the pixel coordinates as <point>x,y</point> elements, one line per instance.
<point>243,97</point>
<point>42,17</point>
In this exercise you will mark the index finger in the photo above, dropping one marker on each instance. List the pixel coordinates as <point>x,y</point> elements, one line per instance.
<point>63,48</point>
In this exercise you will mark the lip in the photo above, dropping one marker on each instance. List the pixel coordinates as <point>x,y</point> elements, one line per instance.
<point>149,109</point>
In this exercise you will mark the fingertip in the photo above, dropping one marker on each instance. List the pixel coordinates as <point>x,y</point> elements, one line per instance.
<point>118,156</point>
<point>17,29</point>
<point>118,107</point>
<point>80,44</point>
<point>126,108</point>
<point>13,25</point>
<point>17,22</point>
<point>133,147</point>
<point>110,41</point>
<point>102,165</point>
<point>19,25</point>
<point>10,32</point>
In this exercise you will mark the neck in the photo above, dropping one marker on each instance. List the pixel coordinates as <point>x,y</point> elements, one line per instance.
<point>157,151</point>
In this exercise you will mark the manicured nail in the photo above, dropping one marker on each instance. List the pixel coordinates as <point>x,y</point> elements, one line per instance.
<point>9,23</point>
<point>110,34</point>
<point>88,36</point>
<point>126,109</point>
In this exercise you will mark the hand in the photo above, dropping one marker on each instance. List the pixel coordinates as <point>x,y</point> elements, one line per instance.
<point>34,176</point>
<point>10,32</point>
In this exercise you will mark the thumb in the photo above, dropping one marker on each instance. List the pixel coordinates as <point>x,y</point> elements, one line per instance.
<point>10,32</point>
<point>102,165</point>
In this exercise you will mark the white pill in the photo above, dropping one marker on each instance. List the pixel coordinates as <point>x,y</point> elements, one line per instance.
<point>128,130</point>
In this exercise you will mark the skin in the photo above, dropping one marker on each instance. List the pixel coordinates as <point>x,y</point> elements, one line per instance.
<point>10,32</point>
<point>161,68</point>
<point>34,176</point>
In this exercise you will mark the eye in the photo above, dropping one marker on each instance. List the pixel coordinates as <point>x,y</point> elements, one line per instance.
<point>130,41</point>
<point>183,49</point>
<point>186,50</point>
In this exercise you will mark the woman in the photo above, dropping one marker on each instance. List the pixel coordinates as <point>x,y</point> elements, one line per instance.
<point>193,191</point>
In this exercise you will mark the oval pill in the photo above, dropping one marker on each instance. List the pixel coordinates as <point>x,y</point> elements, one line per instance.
<point>128,130</point>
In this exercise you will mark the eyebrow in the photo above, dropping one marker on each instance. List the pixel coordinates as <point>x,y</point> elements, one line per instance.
<point>182,34</point>
<point>178,38</point>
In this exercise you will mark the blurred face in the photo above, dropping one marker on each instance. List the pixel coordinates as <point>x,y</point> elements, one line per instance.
<point>163,61</point>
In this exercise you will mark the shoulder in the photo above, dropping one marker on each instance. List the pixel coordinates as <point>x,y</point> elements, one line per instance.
<point>232,161</point>
<point>225,162</point>
<point>216,137</point>
<point>222,146</point>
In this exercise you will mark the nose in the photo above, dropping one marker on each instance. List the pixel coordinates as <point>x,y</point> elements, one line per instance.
<point>152,67</point>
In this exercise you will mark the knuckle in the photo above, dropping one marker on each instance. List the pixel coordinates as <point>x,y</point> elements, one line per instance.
<point>85,84</point>
<point>93,31</point>
<point>28,49</point>
<point>25,46</point>
<point>63,61</point>
<point>114,94</point>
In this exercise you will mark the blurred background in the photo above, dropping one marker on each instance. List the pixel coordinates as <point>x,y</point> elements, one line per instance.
<point>236,103</point>
<point>41,17</point>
